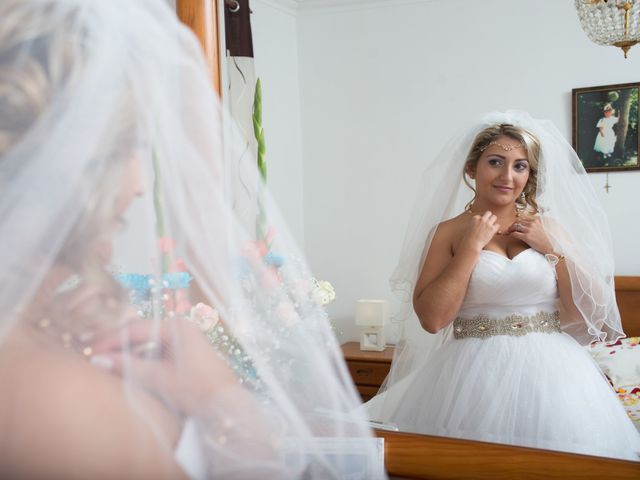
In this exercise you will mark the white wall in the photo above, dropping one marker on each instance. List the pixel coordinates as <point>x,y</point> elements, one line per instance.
<point>276,63</point>
<point>359,94</point>
<point>382,87</point>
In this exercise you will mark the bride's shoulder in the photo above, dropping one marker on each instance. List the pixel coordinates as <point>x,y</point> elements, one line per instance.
<point>72,417</point>
<point>443,236</point>
<point>452,226</point>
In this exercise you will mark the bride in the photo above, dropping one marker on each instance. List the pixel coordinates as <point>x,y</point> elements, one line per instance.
<point>146,330</point>
<point>510,286</point>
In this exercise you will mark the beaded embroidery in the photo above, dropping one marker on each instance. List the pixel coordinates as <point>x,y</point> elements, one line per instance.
<point>482,326</point>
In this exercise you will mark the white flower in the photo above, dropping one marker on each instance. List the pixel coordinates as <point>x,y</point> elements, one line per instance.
<point>322,292</point>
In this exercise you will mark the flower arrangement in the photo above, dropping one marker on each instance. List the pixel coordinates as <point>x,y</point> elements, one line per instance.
<point>322,291</point>
<point>167,297</point>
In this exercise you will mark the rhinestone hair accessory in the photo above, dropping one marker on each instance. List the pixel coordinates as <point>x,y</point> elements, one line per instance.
<point>503,146</point>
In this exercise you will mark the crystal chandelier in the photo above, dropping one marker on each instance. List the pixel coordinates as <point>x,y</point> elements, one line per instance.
<point>611,22</point>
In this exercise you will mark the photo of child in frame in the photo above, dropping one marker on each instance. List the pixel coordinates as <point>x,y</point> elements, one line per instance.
<point>605,127</point>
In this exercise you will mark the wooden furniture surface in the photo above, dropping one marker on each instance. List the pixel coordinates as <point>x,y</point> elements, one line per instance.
<point>628,298</point>
<point>424,456</point>
<point>368,369</point>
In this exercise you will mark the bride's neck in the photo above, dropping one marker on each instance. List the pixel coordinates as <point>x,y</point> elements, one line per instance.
<point>51,281</point>
<point>505,213</point>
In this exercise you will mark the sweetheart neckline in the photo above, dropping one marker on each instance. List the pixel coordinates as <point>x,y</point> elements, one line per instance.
<point>512,259</point>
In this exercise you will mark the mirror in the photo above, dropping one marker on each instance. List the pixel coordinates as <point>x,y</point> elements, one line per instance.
<point>359,95</point>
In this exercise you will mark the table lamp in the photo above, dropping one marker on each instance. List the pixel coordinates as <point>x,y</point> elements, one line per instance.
<point>371,316</point>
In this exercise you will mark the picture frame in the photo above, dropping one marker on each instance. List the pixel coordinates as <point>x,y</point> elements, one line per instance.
<point>605,127</point>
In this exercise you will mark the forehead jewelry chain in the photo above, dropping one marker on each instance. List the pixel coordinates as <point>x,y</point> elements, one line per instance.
<point>504,146</point>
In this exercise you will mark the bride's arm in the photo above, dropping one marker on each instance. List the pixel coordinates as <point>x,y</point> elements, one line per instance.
<point>442,284</point>
<point>234,430</point>
<point>61,418</point>
<point>565,289</point>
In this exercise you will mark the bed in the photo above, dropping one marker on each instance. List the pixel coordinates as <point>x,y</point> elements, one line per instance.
<point>424,456</point>
<point>620,360</point>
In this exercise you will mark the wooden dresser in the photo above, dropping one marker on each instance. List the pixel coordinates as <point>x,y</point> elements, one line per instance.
<point>368,369</point>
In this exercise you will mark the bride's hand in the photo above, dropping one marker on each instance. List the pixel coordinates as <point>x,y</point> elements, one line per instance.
<point>531,231</point>
<point>480,231</point>
<point>84,307</point>
<point>171,359</point>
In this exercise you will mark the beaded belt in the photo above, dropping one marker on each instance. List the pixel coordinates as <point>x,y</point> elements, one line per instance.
<point>482,326</point>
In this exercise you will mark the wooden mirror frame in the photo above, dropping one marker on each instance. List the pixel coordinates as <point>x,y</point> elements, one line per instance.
<point>429,457</point>
<point>423,456</point>
<point>203,17</point>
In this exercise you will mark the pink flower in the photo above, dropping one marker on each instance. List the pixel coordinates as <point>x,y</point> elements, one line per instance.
<point>271,232</point>
<point>261,248</point>
<point>270,279</point>
<point>178,266</point>
<point>166,244</point>
<point>205,316</point>
<point>250,252</point>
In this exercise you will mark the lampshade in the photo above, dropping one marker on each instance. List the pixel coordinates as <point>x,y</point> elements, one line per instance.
<point>371,313</point>
<point>611,22</point>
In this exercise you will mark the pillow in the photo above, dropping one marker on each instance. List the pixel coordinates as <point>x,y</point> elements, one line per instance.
<point>620,361</point>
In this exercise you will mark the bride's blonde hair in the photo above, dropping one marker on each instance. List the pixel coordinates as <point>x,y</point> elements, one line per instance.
<point>38,65</point>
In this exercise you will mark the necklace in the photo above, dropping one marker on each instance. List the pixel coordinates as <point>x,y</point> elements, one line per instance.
<point>469,209</point>
<point>75,343</point>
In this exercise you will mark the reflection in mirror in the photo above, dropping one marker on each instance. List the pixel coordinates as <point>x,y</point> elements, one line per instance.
<point>360,96</point>
<point>510,288</point>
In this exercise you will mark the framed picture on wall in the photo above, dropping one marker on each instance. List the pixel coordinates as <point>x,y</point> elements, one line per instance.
<point>605,127</point>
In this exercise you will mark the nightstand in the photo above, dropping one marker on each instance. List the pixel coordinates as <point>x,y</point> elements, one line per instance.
<point>368,369</point>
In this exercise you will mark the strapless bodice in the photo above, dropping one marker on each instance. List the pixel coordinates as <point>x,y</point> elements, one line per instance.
<point>525,285</point>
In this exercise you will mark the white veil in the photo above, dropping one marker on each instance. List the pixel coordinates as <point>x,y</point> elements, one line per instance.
<point>573,219</point>
<point>100,102</point>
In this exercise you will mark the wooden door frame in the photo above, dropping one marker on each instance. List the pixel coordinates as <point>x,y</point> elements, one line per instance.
<point>203,17</point>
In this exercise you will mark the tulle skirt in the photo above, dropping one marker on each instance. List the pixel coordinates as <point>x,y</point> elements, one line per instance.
<point>541,390</point>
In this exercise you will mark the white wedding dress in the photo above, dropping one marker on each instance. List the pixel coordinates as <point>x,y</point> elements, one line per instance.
<point>539,389</point>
